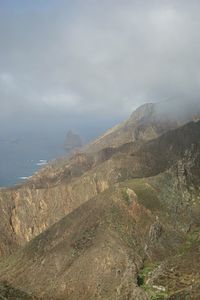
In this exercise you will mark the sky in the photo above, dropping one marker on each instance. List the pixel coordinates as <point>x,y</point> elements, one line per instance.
<point>88,64</point>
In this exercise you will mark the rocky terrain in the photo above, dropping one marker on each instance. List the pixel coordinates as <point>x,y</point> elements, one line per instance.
<point>72,142</point>
<point>118,220</point>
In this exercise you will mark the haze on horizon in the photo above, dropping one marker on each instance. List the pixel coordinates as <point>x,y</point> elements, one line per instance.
<point>90,63</point>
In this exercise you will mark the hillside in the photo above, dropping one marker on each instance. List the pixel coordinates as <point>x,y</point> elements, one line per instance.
<point>112,222</point>
<point>31,208</point>
<point>145,123</point>
<point>152,232</point>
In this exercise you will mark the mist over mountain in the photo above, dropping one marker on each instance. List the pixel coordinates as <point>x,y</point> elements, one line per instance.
<point>118,219</point>
<point>87,66</point>
<point>81,60</point>
<point>99,150</point>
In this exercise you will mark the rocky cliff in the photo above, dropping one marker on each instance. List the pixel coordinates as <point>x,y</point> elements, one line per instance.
<point>146,123</point>
<point>72,142</point>
<point>109,223</point>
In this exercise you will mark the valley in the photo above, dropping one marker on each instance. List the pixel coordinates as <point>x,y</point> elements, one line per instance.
<point>118,219</point>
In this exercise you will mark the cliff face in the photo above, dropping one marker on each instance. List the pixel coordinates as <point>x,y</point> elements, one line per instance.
<point>64,254</point>
<point>146,123</point>
<point>29,211</point>
<point>117,223</point>
<point>57,191</point>
<point>129,242</point>
<point>72,142</point>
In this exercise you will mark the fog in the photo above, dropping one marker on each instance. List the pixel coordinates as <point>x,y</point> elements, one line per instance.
<point>82,59</point>
<point>87,65</point>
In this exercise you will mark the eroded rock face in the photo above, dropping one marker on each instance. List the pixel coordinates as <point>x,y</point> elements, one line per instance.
<point>31,208</point>
<point>155,232</point>
<point>30,211</point>
<point>146,123</point>
<point>93,253</point>
<point>126,209</point>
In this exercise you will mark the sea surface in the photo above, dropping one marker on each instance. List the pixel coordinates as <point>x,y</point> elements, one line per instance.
<point>20,158</point>
<point>23,150</point>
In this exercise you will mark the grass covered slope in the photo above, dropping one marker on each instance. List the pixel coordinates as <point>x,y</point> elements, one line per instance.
<point>119,223</point>
<point>86,254</point>
<point>28,210</point>
<point>124,243</point>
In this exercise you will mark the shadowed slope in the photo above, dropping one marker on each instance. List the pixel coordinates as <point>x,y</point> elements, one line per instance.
<point>95,252</point>
<point>101,249</point>
<point>86,254</point>
<point>146,123</point>
<point>30,209</point>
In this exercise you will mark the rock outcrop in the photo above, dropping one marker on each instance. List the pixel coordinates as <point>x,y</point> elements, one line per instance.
<point>72,142</point>
<point>146,123</point>
<point>116,221</point>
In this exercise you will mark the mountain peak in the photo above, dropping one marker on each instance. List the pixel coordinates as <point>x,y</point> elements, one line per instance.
<point>143,111</point>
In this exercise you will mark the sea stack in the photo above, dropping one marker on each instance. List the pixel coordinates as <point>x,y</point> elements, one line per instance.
<point>72,142</point>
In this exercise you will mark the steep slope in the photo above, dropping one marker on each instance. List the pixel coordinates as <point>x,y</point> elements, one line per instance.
<point>30,209</point>
<point>129,237</point>
<point>133,239</point>
<point>93,253</point>
<point>72,142</point>
<point>178,190</point>
<point>146,123</point>
<point>8,292</point>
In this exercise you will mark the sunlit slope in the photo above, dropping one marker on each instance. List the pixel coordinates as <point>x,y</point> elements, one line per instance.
<point>130,240</point>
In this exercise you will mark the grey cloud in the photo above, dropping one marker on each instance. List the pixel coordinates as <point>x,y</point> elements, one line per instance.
<point>96,57</point>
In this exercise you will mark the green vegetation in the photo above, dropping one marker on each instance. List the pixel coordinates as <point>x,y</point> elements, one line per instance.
<point>123,224</point>
<point>146,194</point>
<point>153,293</point>
<point>126,197</point>
<point>8,292</point>
<point>142,276</point>
<point>191,239</point>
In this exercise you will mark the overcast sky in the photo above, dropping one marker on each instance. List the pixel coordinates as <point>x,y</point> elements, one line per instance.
<point>95,59</point>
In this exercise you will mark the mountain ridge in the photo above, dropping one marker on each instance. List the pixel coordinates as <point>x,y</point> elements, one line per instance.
<point>113,223</point>
<point>147,122</point>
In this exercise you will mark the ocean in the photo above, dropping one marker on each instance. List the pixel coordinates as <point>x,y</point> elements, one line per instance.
<point>24,151</point>
<point>19,159</point>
